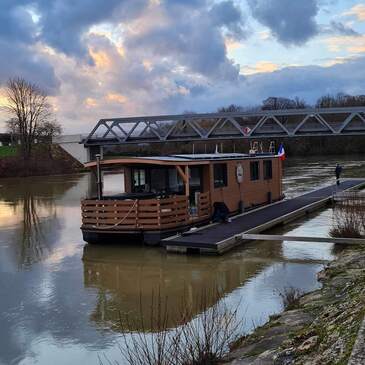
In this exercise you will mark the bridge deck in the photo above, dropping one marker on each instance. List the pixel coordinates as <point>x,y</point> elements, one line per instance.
<point>218,238</point>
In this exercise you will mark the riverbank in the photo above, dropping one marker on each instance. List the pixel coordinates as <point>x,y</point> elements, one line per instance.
<point>46,160</point>
<point>321,328</point>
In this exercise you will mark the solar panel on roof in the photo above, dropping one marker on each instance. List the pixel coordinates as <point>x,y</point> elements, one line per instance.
<point>211,156</point>
<point>164,158</point>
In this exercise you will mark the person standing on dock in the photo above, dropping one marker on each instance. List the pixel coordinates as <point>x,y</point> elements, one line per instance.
<point>338,171</point>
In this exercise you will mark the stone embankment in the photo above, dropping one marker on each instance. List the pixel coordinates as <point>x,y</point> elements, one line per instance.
<point>326,327</point>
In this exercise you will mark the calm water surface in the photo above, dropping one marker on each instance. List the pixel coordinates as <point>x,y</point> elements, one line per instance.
<point>60,298</point>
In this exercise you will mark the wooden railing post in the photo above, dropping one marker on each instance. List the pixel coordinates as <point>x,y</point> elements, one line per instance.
<point>97,217</point>
<point>159,213</point>
<point>175,208</point>
<point>187,183</point>
<point>136,211</point>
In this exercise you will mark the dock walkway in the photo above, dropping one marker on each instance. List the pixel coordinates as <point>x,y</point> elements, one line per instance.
<point>220,237</point>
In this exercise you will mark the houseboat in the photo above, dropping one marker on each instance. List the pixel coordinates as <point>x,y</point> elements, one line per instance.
<point>167,195</point>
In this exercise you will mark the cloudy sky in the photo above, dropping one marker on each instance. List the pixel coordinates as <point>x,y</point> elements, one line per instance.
<point>105,58</point>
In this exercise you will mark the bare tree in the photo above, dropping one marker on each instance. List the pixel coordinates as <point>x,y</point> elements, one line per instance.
<point>230,108</point>
<point>280,103</point>
<point>340,100</point>
<point>48,130</point>
<point>30,111</point>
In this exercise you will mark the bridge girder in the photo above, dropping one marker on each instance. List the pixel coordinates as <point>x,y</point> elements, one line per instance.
<point>236,125</point>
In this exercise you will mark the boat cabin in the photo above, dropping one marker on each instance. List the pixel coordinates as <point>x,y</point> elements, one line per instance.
<point>166,195</point>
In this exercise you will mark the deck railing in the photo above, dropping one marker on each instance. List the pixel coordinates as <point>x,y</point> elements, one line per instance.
<point>204,210</point>
<point>142,214</point>
<point>135,214</point>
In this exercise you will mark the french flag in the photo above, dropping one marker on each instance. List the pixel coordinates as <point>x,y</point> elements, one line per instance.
<point>281,152</point>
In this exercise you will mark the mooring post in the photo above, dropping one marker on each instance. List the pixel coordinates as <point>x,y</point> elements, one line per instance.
<point>99,181</point>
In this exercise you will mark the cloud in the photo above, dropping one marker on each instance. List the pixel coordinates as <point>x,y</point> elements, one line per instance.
<point>337,60</point>
<point>193,40</point>
<point>123,57</point>
<point>357,11</point>
<point>261,66</point>
<point>64,23</point>
<point>340,28</point>
<point>291,22</point>
<point>130,86</point>
<point>20,56</point>
<point>116,98</point>
<point>26,62</point>
<point>16,23</point>
<point>352,44</point>
<point>226,14</point>
<point>286,82</point>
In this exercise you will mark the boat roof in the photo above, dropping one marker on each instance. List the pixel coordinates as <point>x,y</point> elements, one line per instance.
<point>219,156</point>
<point>181,159</point>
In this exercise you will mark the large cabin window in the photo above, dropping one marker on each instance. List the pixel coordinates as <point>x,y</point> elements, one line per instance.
<point>268,170</point>
<point>158,180</point>
<point>220,175</point>
<point>255,170</point>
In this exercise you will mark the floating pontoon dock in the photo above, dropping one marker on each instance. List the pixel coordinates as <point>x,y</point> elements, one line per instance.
<point>220,237</point>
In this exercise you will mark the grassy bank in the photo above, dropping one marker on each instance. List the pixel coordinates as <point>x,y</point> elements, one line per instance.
<point>323,327</point>
<point>44,161</point>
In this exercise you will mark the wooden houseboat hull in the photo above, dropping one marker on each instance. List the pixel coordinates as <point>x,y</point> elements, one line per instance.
<point>166,196</point>
<point>150,238</point>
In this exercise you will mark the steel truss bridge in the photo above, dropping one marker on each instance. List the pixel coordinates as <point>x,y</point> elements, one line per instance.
<point>235,125</point>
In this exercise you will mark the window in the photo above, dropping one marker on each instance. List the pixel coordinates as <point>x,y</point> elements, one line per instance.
<point>254,168</point>
<point>220,175</point>
<point>139,180</point>
<point>267,169</point>
<point>158,180</point>
<point>195,174</point>
<point>175,183</point>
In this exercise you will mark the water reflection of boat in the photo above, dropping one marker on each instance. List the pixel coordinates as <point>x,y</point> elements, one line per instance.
<point>125,276</point>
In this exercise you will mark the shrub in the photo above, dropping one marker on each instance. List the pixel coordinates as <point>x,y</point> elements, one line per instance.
<point>349,219</point>
<point>290,297</point>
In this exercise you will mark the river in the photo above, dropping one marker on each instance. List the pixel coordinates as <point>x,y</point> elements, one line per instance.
<point>60,299</point>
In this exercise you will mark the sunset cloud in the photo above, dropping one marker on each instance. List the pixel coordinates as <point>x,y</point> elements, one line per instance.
<point>91,103</point>
<point>352,44</point>
<point>262,66</point>
<point>357,11</point>
<point>123,58</point>
<point>118,98</point>
<point>100,58</point>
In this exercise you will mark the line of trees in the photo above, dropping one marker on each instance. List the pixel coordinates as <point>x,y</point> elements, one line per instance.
<point>280,103</point>
<point>31,118</point>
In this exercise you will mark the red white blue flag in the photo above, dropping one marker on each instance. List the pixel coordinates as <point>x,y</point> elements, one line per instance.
<point>281,152</point>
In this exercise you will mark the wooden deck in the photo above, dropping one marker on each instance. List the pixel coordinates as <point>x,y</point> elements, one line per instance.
<point>219,238</point>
